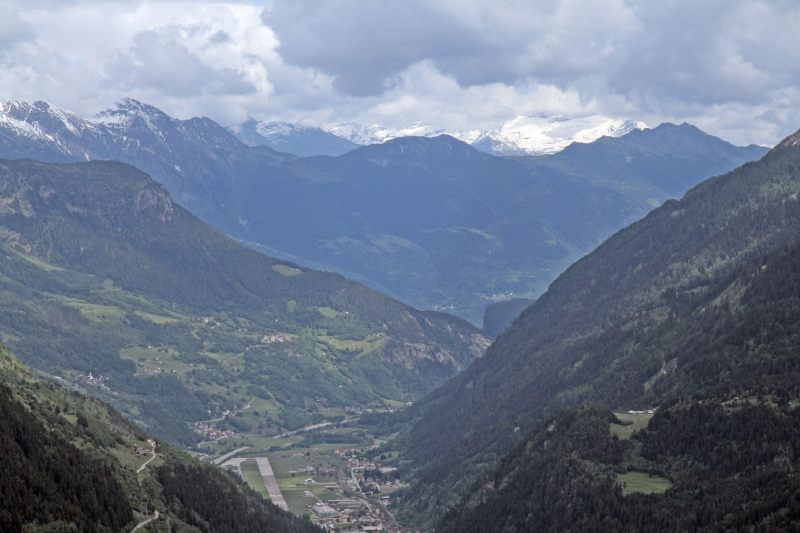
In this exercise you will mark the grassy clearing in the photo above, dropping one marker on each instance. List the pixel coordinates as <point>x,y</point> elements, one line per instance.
<point>286,270</point>
<point>252,477</point>
<point>47,267</point>
<point>259,444</point>
<point>155,359</point>
<point>94,312</point>
<point>294,492</point>
<point>297,500</point>
<point>157,319</point>
<point>329,312</point>
<point>632,422</point>
<point>372,343</point>
<point>641,482</point>
<point>291,483</point>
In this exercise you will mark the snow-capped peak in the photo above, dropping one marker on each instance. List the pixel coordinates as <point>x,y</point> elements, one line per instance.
<point>376,134</point>
<point>14,115</point>
<point>276,128</point>
<point>536,135</point>
<point>35,120</point>
<point>524,135</point>
<point>128,111</point>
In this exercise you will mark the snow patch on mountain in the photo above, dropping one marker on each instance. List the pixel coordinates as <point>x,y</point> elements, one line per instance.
<point>127,113</point>
<point>524,135</point>
<point>377,134</point>
<point>13,117</point>
<point>43,124</point>
<point>538,135</point>
<point>268,129</point>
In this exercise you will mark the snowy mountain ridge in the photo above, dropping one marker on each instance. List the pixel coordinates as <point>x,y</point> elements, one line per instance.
<point>540,135</point>
<point>523,135</point>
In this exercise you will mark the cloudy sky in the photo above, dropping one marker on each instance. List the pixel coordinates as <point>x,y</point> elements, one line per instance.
<point>731,67</point>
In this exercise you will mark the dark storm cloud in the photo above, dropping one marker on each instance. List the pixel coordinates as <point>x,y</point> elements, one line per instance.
<point>364,44</point>
<point>707,52</point>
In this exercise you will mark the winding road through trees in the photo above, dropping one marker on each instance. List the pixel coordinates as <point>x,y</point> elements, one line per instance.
<point>156,514</point>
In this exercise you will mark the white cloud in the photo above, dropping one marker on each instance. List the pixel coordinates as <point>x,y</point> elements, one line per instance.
<point>730,66</point>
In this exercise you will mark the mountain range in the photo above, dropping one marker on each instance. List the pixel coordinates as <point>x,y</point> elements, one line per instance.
<point>524,135</point>
<point>302,141</point>
<point>687,319</point>
<point>431,221</point>
<point>652,386</point>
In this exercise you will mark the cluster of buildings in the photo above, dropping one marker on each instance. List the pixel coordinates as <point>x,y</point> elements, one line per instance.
<point>354,460</point>
<point>359,410</point>
<point>145,450</point>
<point>211,432</point>
<point>158,370</point>
<point>346,514</point>
<point>207,320</point>
<point>91,379</point>
<point>141,450</point>
<point>273,339</point>
<point>158,362</point>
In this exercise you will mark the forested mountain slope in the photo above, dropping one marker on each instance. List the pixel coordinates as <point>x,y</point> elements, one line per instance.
<point>69,463</point>
<point>697,299</point>
<point>708,465</point>
<point>665,160</point>
<point>648,166</point>
<point>101,273</point>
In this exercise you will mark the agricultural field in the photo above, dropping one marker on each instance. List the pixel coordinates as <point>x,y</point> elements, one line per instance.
<point>631,423</point>
<point>220,361</point>
<point>642,482</point>
<point>305,464</point>
<point>203,373</point>
<point>290,469</point>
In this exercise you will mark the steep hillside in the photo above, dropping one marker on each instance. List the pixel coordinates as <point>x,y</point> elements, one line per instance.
<point>102,275</point>
<point>431,221</point>
<point>648,166</point>
<point>697,466</point>
<point>498,316</point>
<point>71,463</point>
<point>664,160</point>
<point>684,302</point>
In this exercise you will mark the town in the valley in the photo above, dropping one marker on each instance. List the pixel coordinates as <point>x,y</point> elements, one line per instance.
<point>348,488</point>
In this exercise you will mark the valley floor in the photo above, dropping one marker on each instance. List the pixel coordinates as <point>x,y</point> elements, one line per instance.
<point>331,472</point>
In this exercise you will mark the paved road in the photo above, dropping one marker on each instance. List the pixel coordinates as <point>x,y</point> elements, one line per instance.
<point>145,522</point>
<point>245,407</point>
<point>313,427</point>
<point>222,458</point>
<point>156,514</point>
<point>301,430</point>
<point>271,483</point>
